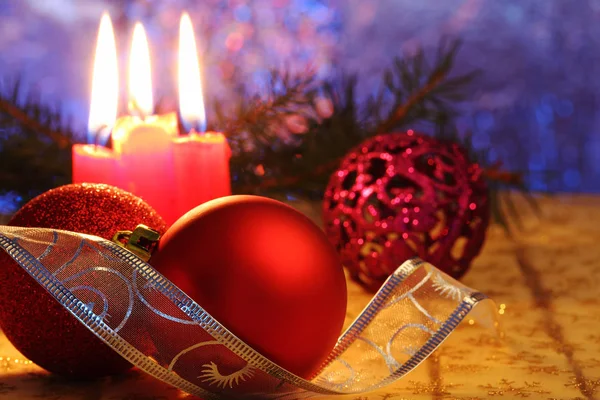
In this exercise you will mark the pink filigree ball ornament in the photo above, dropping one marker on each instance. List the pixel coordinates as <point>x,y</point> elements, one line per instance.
<point>400,195</point>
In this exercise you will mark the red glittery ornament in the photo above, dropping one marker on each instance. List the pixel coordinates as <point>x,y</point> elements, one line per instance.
<point>402,195</point>
<point>265,271</point>
<point>35,323</point>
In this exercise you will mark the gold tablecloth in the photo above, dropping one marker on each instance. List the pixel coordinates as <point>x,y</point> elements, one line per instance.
<point>544,279</point>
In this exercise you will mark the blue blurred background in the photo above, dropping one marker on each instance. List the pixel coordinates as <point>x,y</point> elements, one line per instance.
<point>535,105</point>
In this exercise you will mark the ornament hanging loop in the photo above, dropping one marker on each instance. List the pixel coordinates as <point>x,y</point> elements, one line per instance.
<point>142,241</point>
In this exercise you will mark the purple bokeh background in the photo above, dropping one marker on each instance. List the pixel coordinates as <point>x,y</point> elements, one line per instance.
<point>535,104</point>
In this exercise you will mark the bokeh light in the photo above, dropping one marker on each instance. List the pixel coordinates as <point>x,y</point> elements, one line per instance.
<point>535,103</point>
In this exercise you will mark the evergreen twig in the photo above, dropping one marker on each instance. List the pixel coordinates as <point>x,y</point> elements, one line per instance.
<point>415,99</point>
<point>35,145</point>
<point>412,92</point>
<point>24,118</point>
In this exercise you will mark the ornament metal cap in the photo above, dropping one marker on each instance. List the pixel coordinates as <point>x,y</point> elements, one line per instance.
<point>141,242</point>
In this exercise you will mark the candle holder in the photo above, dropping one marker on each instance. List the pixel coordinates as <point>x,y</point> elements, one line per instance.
<point>409,317</point>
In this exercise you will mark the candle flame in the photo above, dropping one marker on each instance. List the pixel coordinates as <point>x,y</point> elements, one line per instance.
<point>191,98</point>
<point>105,85</point>
<point>140,76</point>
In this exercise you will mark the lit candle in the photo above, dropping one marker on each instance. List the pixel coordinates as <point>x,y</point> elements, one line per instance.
<point>94,163</point>
<point>143,142</point>
<point>172,173</point>
<point>201,158</point>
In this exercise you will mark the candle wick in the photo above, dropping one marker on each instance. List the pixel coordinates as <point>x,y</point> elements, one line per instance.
<point>192,128</point>
<point>97,134</point>
<point>135,109</point>
<point>199,127</point>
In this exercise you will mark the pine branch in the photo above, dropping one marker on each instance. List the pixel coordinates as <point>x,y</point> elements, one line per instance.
<point>411,91</point>
<point>35,152</point>
<point>394,119</point>
<point>400,113</point>
<point>28,122</point>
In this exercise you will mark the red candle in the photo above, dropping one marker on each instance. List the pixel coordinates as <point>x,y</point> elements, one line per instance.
<point>144,143</point>
<point>201,169</point>
<point>201,160</point>
<point>94,164</point>
<point>144,148</point>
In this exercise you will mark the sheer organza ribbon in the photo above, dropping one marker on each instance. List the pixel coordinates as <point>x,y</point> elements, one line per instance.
<point>150,322</point>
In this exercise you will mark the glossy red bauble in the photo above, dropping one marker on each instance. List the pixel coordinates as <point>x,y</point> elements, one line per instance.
<point>35,323</point>
<point>396,196</point>
<point>263,270</point>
